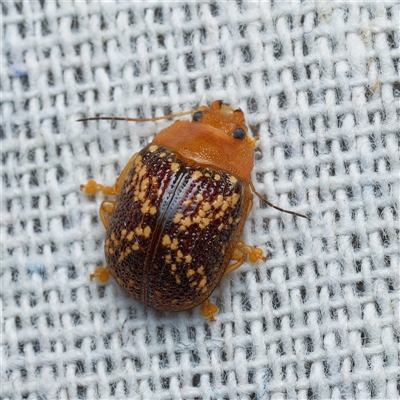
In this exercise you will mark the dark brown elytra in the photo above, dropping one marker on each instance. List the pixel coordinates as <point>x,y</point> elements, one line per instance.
<point>181,203</point>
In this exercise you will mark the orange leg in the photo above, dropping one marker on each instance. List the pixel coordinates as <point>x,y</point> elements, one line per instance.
<point>101,273</point>
<point>106,209</point>
<point>93,187</point>
<point>208,310</point>
<point>242,251</point>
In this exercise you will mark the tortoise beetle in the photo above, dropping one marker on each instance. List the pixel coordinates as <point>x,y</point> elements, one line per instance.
<point>181,203</point>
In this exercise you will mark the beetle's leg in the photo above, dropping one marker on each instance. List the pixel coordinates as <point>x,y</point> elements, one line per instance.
<point>101,273</point>
<point>208,310</point>
<point>240,255</point>
<point>254,253</point>
<point>93,187</point>
<point>242,251</point>
<point>106,209</point>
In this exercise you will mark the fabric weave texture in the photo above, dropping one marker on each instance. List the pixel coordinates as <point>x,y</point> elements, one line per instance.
<point>319,85</point>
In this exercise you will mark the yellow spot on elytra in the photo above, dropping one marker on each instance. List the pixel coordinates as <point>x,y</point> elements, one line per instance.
<point>202,213</point>
<point>200,270</point>
<point>217,177</point>
<point>207,175</point>
<point>139,231</point>
<point>123,233</point>
<point>113,236</point>
<point>174,244</point>
<point>153,148</point>
<point>141,196</point>
<point>145,207</point>
<point>108,242</point>
<point>218,201</point>
<point>197,219</point>
<point>138,160</point>
<point>142,172</point>
<point>230,220</point>
<point>186,221</point>
<point>194,283</point>
<point>147,231</point>
<point>173,267</point>
<point>135,246</point>
<point>177,218</point>
<point>179,254</point>
<point>226,203</point>
<point>196,175</point>
<point>205,221</point>
<point>188,258</point>
<point>235,198</point>
<point>174,166</point>
<point>203,282</point>
<point>144,184</point>
<point>131,283</point>
<point>162,155</point>
<point>220,227</point>
<point>166,240</point>
<point>232,179</point>
<point>199,197</point>
<point>177,279</point>
<point>153,210</point>
<point>130,236</point>
<point>190,272</point>
<point>219,215</point>
<point>206,206</point>
<point>168,257</point>
<point>111,251</point>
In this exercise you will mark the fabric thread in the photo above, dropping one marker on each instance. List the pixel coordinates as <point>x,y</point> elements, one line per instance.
<point>319,85</point>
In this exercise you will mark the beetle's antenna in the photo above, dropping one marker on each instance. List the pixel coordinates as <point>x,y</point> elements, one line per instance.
<point>137,119</point>
<point>264,200</point>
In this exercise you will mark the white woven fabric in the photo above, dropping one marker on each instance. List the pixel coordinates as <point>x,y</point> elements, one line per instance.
<point>319,85</point>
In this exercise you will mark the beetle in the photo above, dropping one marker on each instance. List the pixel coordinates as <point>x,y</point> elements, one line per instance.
<point>174,229</point>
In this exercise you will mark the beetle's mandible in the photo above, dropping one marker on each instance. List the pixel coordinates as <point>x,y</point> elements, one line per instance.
<point>174,229</point>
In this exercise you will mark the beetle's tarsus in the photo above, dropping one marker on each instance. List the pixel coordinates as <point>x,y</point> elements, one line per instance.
<point>208,310</point>
<point>93,187</point>
<point>102,274</point>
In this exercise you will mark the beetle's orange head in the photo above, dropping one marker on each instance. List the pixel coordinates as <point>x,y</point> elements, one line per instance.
<point>216,137</point>
<point>226,119</point>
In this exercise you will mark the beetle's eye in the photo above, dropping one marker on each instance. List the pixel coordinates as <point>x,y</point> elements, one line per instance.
<point>239,133</point>
<point>197,116</point>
